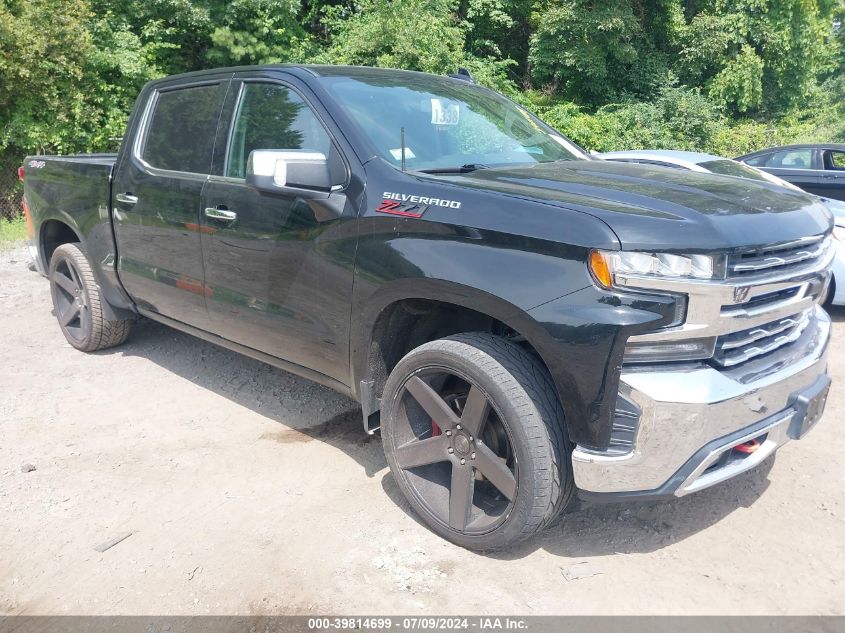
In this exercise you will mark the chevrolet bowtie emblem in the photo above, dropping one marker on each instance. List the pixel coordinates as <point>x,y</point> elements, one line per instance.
<point>741,294</point>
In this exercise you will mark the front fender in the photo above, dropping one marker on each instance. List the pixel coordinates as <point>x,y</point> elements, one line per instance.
<point>541,290</point>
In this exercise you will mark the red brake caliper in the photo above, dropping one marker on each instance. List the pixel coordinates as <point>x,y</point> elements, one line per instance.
<point>435,429</point>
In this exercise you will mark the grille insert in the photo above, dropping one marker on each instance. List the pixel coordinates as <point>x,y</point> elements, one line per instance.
<point>777,258</point>
<point>738,347</point>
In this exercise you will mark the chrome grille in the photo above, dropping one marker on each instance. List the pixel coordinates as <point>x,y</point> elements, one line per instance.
<point>777,258</point>
<point>761,301</point>
<point>738,347</point>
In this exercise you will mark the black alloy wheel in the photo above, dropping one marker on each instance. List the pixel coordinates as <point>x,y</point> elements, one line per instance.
<point>473,432</point>
<point>71,302</point>
<point>77,303</point>
<point>455,452</point>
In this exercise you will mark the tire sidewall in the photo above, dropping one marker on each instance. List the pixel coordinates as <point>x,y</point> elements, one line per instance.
<point>528,459</point>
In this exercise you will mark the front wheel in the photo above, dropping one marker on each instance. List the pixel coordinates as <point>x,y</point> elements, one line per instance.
<point>473,434</point>
<point>77,302</point>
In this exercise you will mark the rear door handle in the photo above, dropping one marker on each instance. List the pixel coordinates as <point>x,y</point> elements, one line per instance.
<point>220,213</point>
<point>127,197</point>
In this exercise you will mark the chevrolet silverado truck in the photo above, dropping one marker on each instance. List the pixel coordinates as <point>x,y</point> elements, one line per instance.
<point>522,323</point>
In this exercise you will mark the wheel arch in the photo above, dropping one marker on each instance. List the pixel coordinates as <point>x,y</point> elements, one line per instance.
<point>58,230</point>
<point>54,232</point>
<point>403,315</point>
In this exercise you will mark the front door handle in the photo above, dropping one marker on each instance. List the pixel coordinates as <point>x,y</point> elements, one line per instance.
<point>127,197</point>
<point>220,213</point>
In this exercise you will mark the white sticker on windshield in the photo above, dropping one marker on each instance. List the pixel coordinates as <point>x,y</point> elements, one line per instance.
<point>397,153</point>
<point>444,112</point>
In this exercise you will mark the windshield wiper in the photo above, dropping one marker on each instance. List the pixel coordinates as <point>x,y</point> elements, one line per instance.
<point>463,169</point>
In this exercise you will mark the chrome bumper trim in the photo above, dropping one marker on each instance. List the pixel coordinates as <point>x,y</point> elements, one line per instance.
<point>687,407</point>
<point>776,436</point>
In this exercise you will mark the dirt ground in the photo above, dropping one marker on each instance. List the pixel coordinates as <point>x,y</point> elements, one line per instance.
<point>247,490</point>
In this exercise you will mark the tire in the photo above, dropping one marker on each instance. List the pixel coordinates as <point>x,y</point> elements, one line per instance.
<point>485,398</point>
<point>77,303</point>
<point>827,301</point>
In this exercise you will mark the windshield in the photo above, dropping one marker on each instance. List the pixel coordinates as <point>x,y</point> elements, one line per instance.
<point>447,123</point>
<point>728,167</point>
<point>732,168</point>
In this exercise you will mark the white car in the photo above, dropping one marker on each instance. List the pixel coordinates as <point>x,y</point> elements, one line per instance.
<point>696,161</point>
<point>836,294</point>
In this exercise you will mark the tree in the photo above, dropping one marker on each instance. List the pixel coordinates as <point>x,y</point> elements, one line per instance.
<point>414,34</point>
<point>759,54</point>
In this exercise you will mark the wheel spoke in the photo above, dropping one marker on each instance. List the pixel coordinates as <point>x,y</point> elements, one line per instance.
<point>422,452</point>
<point>475,413</point>
<point>73,276</point>
<point>84,316</point>
<point>433,404</point>
<point>64,282</point>
<point>495,470</point>
<point>70,312</point>
<point>460,496</point>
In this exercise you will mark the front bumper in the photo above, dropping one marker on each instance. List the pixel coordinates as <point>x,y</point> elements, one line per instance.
<point>693,415</point>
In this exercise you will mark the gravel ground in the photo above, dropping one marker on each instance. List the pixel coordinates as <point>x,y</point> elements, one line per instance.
<point>248,490</point>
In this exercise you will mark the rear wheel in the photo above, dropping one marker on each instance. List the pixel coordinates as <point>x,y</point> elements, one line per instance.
<point>473,433</point>
<point>77,304</point>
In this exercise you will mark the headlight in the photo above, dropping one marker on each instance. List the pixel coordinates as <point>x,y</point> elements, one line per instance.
<point>606,265</point>
<point>839,233</point>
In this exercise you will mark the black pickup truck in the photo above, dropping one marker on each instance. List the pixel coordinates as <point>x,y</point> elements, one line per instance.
<point>521,321</point>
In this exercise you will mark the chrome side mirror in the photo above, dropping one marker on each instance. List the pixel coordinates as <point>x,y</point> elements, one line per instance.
<point>273,170</point>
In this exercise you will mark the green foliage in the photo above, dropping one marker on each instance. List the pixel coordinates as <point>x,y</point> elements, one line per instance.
<point>725,76</point>
<point>759,55</point>
<point>678,119</point>
<point>256,32</point>
<point>419,35</point>
<point>585,49</point>
<point>12,231</point>
<point>739,85</point>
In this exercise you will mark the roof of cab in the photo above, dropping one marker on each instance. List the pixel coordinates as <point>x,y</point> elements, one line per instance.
<point>315,70</point>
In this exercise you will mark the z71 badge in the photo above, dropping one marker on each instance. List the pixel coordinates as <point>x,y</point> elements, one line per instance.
<point>411,206</point>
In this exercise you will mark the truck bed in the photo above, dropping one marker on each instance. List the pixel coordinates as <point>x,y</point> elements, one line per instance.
<point>71,191</point>
<point>87,159</point>
<point>60,186</point>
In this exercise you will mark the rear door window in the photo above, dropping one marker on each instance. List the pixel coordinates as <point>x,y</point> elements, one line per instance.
<point>181,130</point>
<point>834,160</point>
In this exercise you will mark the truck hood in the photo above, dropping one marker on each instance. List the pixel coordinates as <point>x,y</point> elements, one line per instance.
<point>656,208</point>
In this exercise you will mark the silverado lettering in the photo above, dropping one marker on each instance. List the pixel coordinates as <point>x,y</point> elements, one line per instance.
<point>387,195</point>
